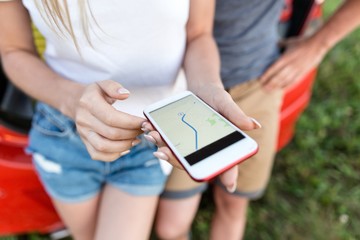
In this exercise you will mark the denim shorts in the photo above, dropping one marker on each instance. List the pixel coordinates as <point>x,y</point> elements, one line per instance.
<point>70,175</point>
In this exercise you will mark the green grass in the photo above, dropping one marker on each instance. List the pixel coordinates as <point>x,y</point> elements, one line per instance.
<point>313,193</point>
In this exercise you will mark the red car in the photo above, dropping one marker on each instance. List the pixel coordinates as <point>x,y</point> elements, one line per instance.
<point>25,207</point>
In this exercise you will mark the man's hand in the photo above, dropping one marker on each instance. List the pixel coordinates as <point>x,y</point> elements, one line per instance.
<point>301,56</point>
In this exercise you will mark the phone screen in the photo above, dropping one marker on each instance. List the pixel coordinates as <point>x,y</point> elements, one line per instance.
<point>195,130</point>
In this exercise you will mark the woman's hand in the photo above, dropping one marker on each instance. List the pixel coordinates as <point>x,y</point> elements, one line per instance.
<point>221,101</point>
<point>106,132</point>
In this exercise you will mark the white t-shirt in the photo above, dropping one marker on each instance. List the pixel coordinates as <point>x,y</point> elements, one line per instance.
<point>139,43</point>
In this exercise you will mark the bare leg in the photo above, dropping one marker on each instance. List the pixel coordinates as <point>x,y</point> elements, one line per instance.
<point>79,218</point>
<point>175,216</point>
<point>229,219</point>
<point>123,216</point>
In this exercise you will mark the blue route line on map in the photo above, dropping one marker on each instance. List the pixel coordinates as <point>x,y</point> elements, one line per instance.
<point>196,133</point>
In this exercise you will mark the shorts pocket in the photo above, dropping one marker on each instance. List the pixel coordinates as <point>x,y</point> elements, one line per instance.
<point>51,122</point>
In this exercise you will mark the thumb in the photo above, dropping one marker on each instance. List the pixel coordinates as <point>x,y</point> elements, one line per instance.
<point>231,111</point>
<point>228,179</point>
<point>113,90</point>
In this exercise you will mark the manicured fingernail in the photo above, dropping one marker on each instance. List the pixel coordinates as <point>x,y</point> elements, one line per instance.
<point>150,138</point>
<point>256,123</point>
<point>125,152</point>
<point>123,91</point>
<point>231,188</point>
<point>143,127</point>
<point>161,155</point>
<point>135,142</point>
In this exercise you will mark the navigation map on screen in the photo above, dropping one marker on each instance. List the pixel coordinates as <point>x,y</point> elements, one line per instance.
<point>190,125</point>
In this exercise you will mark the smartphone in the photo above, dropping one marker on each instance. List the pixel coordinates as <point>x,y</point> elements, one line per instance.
<point>204,142</point>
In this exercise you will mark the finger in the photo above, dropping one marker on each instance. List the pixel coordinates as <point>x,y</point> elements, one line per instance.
<point>113,90</point>
<point>288,77</point>
<point>104,92</point>
<point>155,138</point>
<point>229,179</point>
<point>289,80</point>
<point>94,101</point>
<point>109,132</point>
<point>272,70</point>
<point>112,117</point>
<point>103,156</point>
<point>275,80</point>
<point>105,145</point>
<point>230,110</point>
<point>164,153</point>
<point>146,126</point>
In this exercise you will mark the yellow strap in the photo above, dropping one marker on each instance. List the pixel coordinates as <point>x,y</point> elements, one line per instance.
<point>39,40</point>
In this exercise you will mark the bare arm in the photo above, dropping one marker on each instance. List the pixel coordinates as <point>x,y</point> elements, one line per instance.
<point>202,64</point>
<point>23,65</point>
<point>106,132</point>
<point>202,70</point>
<point>339,25</point>
<point>304,54</point>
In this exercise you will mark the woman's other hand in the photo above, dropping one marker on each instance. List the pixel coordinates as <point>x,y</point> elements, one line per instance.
<point>106,132</point>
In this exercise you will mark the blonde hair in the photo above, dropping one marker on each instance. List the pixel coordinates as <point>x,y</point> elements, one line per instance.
<point>57,14</point>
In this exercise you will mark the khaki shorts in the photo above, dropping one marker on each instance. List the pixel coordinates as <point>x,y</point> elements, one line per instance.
<point>254,173</point>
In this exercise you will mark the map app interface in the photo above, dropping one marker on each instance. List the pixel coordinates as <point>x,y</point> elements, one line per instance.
<point>195,130</point>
